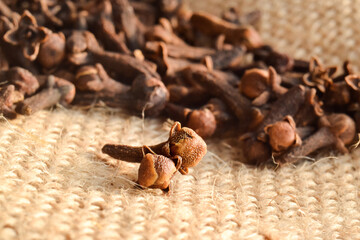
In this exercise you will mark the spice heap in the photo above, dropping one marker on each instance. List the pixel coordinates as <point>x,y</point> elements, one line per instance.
<point>158,58</point>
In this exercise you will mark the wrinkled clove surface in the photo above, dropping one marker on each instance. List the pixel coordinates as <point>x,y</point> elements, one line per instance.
<point>183,142</point>
<point>156,171</point>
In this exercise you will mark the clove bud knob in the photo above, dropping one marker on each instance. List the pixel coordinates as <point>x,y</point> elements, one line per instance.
<point>341,125</point>
<point>282,134</point>
<point>186,143</point>
<point>156,171</point>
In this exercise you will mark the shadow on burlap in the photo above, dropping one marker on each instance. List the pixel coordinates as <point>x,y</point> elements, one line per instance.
<point>53,184</point>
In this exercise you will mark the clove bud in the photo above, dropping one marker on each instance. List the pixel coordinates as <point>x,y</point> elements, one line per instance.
<point>156,171</point>
<point>336,130</point>
<point>183,142</point>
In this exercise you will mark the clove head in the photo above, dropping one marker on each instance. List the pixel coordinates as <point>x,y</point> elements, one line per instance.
<point>24,81</point>
<point>341,125</point>
<point>202,121</point>
<point>254,82</point>
<point>156,171</point>
<point>52,50</point>
<point>8,97</point>
<point>68,89</point>
<point>254,151</point>
<point>150,94</point>
<point>87,79</point>
<point>282,134</point>
<point>187,144</point>
<point>251,38</point>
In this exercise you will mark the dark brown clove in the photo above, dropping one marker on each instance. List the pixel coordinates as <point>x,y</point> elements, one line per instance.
<point>255,151</point>
<point>28,35</point>
<point>145,12</point>
<point>300,66</point>
<point>260,85</point>
<point>24,81</point>
<point>281,62</point>
<point>288,104</point>
<point>183,142</point>
<point>44,99</point>
<point>319,76</point>
<point>233,33</point>
<point>180,51</point>
<point>164,32</point>
<point>228,59</point>
<point>145,94</point>
<point>95,78</point>
<point>126,20</point>
<point>336,130</point>
<point>86,50</point>
<point>106,32</point>
<point>282,134</point>
<point>201,120</point>
<point>8,97</point>
<point>52,50</point>
<point>220,111</point>
<point>337,95</point>
<point>187,96</point>
<point>223,90</point>
<point>310,111</point>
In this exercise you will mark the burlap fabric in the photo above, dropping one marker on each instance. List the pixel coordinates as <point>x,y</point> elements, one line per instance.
<point>55,185</point>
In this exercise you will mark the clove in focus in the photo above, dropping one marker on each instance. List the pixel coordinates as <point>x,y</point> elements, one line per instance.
<point>183,142</point>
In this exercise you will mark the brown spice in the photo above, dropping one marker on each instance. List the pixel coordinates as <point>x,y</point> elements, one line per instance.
<point>335,130</point>
<point>156,171</point>
<point>183,142</point>
<point>282,134</point>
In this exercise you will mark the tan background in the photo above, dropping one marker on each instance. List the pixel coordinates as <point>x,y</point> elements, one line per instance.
<point>53,184</point>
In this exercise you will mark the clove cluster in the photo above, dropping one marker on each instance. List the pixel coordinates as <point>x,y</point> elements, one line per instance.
<point>213,74</point>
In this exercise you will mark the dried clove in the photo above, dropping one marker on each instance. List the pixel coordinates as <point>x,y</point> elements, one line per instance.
<point>201,120</point>
<point>8,97</point>
<point>288,104</point>
<point>282,134</point>
<point>336,130</point>
<point>183,142</point>
<point>310,111</point>
<point>319,76</point>
<point>44,99</point>
<point>233,33</point>
<point>145,94</point>
<point>52,50</point>
<point>228,59</point>
<point>180,51</point>
<point>126,20</point>
<point>156,171</point>
<point>223,90</point>
<point>260,85</point>
<point>28,35</point>
<point>187,96</point>
<point>281,62</point>
<point>106,32</point>
<point>23,80</point>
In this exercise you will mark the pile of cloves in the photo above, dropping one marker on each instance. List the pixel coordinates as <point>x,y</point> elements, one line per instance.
<point>158,58</point>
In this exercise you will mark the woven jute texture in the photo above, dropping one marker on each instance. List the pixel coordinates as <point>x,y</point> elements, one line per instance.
<point>54,183</point>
